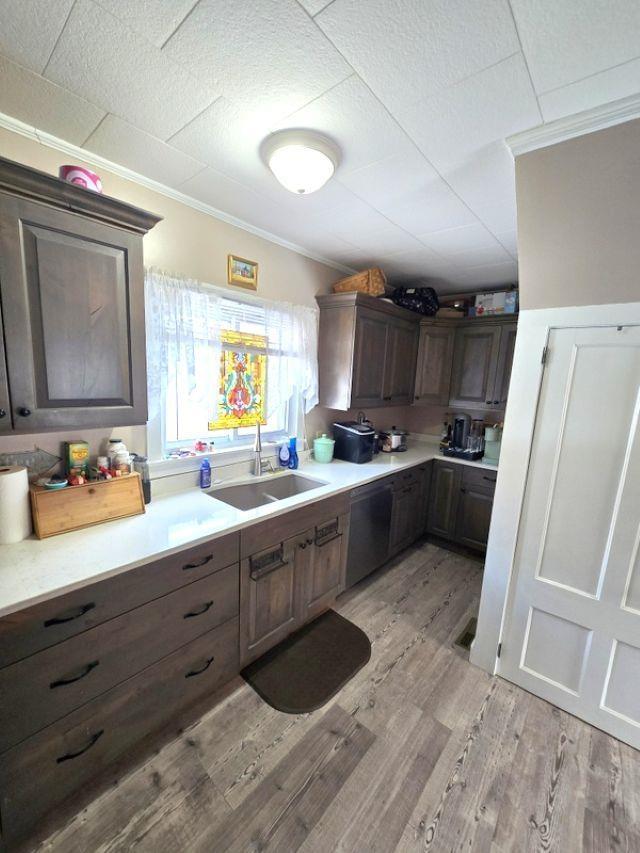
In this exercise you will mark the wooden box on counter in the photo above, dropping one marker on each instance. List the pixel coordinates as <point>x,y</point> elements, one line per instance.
<point>61,510</point>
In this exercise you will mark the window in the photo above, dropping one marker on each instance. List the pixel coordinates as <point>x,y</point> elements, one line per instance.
<point>198,339</point>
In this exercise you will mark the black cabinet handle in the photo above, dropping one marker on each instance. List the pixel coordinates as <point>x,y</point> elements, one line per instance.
<point>198,564</point>
<point>463,491</point>
<point>309,541</point>
<point>92,742</point>
<point>193,672</point>
<point>488,402</point>
<point>62,681</point>
<point>24,412</point>
<point>202,610</point>
<point>302,545</point>
<point>490,479</point>
<point>3,413</point>
<point>60,620</point>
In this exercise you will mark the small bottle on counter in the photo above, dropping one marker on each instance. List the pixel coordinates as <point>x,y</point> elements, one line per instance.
<point>293,453</point>
<point>205,474</point>
<point>283,455</point>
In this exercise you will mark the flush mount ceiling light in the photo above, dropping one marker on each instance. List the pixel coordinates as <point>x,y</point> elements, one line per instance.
<point>303,161</point>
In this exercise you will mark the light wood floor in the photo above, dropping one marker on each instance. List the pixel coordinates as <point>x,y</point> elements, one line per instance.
<point>419,752</point>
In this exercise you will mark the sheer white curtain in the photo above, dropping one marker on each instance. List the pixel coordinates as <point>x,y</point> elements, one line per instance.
<point>184,325</point>
<point>185,321</point>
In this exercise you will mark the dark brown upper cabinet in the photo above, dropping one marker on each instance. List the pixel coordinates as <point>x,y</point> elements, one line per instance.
<point>482,359</point>
<point>367,352</point>
<point>435,359</point>
<point>72,287</point>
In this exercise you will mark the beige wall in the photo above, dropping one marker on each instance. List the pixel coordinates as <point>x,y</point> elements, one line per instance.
<point>579,220</point>
<point>187,242</point>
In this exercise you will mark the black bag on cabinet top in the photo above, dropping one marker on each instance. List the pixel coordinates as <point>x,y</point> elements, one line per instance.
<point>422,300</point>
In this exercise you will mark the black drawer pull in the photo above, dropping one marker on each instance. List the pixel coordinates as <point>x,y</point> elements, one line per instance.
<point>193,672</point>
<point>320,543</point>
<point>202,610</point>
<point>490,479</point>
<point>62,681</point>
<point>197,565</point>
<point>92,742</point>
<point>60,620</point>
<point>261,571</point>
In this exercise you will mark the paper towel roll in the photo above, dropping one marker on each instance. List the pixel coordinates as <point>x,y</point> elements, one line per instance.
<point>15,510</point>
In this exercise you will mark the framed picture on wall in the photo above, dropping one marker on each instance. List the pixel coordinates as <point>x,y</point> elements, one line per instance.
<point>242,272</point>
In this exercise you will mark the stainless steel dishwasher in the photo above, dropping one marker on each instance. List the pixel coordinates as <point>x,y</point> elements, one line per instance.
<point>369,530</point>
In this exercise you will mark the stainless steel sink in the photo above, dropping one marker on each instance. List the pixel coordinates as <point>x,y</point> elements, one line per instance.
<point>252,495</point>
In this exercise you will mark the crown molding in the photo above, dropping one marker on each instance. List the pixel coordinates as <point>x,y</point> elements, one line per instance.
<point>44,138</point>
<point>589,121</point>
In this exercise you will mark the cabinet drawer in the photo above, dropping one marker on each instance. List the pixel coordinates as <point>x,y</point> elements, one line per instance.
<point>49,767</point>
<point>483,478</point>
<point>55,681</point>
<point>43,625</point>
<point>407,478</point>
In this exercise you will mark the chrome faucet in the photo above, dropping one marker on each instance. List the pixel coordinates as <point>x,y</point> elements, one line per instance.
<point>257,453</point>
<point>260,465</point>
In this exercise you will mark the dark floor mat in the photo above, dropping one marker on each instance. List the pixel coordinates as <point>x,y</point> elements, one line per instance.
<point>307,669</point>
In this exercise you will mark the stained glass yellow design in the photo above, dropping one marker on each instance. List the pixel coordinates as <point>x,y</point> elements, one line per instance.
<point>242,383</point>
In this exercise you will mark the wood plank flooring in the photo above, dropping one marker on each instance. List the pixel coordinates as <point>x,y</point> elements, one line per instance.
<point>419,752</point>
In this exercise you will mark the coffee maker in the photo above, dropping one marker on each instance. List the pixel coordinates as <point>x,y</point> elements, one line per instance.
<point>461,427</point>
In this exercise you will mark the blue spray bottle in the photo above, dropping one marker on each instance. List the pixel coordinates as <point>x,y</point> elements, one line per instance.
<point>293,453</point>
<point>205,474</point>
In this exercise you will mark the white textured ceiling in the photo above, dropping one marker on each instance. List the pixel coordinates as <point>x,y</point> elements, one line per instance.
<point>419,95</point>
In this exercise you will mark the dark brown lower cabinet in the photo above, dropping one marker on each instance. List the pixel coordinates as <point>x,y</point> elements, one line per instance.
<point>461,503</point>
<point>443,502</point>
<point>270,594</point>
<point>291,582</point>
<point>49,767</point>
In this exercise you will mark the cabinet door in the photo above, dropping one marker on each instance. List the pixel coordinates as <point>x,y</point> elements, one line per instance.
<point>400,363</point>
<point>5,404</point>
<point>433,370</point>
<point>323,572</point>
<point>73,304</point>
<point>475,362</point>
<point>270,594</point>
<point>443,500</point>
<point>505,362</point>
<point>369,358</point>
<point>405,517</point>
<point>474,516</point>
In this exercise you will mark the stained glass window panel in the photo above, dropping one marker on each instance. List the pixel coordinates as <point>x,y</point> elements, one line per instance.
<point>242,381</point>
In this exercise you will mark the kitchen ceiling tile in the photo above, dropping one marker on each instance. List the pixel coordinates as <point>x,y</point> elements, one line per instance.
<point>156,20</point>
<point>499,216</point>
<point>490,255</point>
<point>29,30</point>
<point>100,59</point>
<point>257,52</point>
<point>450,242</point>
<point>122,143</point>
<point>418,263</point>
<point>356,120</point>
<point>314,6</point>
<point>40,103</point>
<point>413,48</point>
<point>450,127</point>
<point>485,175</point>
<point>233,198</point>
<point>565,42</point>
<point>602,88</point>
<point>384,184</point>
<point>509,239</point>
<point>431,207</point>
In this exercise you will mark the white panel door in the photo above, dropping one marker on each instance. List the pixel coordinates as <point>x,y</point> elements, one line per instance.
<point>572,627</point>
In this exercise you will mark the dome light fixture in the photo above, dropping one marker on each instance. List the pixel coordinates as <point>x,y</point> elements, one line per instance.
<point>302,160</point>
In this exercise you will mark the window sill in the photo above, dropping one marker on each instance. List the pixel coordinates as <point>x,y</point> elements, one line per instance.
<point>217,459</point>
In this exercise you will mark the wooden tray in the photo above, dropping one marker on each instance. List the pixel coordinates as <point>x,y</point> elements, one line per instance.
<point>372,281</point>
<point>57,511</point>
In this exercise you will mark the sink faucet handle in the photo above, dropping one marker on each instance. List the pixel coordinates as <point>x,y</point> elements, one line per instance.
<point>258,442</point>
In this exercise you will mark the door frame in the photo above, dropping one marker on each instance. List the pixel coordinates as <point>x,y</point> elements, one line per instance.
<point>534,326</point>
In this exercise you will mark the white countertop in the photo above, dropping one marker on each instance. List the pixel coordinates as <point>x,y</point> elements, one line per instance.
<point>37,569</point>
